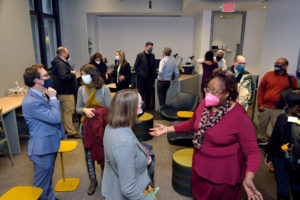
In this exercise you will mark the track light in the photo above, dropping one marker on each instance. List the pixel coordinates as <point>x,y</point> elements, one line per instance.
<point>150,4</point>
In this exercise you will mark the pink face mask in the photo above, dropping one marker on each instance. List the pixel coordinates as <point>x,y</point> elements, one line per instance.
<point>211,100</point>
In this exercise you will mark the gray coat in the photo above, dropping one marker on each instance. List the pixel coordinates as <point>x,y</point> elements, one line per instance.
<point>125,173</point>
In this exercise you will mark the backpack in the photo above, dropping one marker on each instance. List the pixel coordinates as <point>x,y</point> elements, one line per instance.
<point>281,103</point>
<point>251,100</point>
<point>252,87</point>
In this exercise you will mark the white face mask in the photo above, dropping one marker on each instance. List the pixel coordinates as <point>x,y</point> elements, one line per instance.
<point>87,79</point>
<point>97,61</point>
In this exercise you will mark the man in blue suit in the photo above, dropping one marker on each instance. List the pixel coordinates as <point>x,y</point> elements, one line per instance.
<point>43,119</point>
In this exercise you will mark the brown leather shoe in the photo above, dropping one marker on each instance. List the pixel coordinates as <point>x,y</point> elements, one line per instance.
<point>74,136</point>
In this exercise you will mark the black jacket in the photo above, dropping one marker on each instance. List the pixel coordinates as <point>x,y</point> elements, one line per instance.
<point>281,135</point>
<point>102,68</point>
<point>64,82</point>
<point>141,66</point>
<point>126,72</point>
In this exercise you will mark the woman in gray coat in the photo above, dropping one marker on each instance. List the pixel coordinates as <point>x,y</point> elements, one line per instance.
<point>125,173</point>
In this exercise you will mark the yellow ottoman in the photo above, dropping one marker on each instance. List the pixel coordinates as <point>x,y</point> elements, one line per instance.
<point>141,128</point>
<point>185,114</point>
<point>66,184</point>
<point>22,192</point>
<point>181,171</point>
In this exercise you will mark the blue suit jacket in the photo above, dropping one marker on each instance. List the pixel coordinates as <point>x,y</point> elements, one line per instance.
<point>44,121</point>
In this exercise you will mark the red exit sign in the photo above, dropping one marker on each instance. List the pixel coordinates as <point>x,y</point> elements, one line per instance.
<point>228,7</point>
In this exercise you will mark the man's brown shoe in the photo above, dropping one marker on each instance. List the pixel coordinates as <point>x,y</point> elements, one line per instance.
<point>74,136</point>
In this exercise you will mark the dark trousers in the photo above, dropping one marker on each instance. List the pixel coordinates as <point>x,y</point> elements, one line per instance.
<point>145,88</point>
<point>286,178</point>
<point>162,88</point>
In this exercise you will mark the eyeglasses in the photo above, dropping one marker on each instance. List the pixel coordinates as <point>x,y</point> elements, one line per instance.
<point>206,90</point>
<point>45,75</point>
<point>242,63</point>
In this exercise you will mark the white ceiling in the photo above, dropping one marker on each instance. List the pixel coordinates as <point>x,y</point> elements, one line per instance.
<point>194,7</point>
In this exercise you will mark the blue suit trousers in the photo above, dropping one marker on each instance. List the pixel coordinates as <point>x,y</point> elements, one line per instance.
<point>43,171</point>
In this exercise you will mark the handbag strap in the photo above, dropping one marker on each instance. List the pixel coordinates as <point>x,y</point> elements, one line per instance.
<point>290,80</point>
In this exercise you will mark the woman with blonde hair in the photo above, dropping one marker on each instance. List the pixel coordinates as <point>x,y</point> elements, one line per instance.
<point>121,73</point>
<point>126,160</point>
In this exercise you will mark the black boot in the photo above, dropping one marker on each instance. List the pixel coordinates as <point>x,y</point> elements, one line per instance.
<point>93,186</point>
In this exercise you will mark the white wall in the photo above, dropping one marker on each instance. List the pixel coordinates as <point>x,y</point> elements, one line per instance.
<point>253,40</point>
<point>197,34</point>
<point>73,15</point>
<point>202,25</point>
<point>16,46</point>
<point>130,34</point>
<point>281,36</point>
<point>227,33</point>
<point>205,36</point>
<point>93,35</point>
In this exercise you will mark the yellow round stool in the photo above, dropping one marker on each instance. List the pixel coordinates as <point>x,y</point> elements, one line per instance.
<point>141,128</point>
<point>66,184</point>
<point>185,114</point>
<point>23,192</point>
<point>181,171</point>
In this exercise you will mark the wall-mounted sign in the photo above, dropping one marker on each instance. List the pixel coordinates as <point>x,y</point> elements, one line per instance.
<point>228,7</point>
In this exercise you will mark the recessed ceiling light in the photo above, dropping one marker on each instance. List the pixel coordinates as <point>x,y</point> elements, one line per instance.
<point>265,6</point>
<point>220,7</point>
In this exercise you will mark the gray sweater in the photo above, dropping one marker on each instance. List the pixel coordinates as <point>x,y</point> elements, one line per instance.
<point>102,95</point>
<point>125,174</point>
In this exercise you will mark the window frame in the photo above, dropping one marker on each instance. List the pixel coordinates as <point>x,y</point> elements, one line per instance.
<point>38,12</point>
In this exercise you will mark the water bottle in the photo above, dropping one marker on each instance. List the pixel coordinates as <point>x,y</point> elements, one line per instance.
<point>288,155</point>
<point>17,87</point>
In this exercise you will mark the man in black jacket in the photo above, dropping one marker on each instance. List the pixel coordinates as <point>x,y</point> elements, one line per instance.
<point>64,79</point>
<point>145,70</point>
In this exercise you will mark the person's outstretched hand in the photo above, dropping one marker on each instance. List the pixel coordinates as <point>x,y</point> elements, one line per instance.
<point>252,192</point>
<point>158,130</point>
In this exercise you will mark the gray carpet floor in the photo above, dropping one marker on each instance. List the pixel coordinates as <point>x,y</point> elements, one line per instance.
<point>22,172</point>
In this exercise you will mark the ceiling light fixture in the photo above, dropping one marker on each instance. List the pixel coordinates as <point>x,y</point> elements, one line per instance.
<point>150,4</point>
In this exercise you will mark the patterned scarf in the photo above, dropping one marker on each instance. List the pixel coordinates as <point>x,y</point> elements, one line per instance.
<point>207,122</point>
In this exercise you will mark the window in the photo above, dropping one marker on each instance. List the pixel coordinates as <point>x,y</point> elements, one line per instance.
<point>47,6</point>
<point>45,28</point>
<point>50,39</point>
<point>35,38</point>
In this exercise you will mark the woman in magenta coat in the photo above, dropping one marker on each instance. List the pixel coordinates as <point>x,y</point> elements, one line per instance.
<point>225,149</point>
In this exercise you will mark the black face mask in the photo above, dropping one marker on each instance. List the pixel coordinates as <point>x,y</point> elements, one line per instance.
<point>68,56</point>
<point>219,58</point>
<point>143,109</point>
<point>277,68</point>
